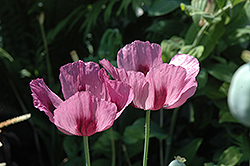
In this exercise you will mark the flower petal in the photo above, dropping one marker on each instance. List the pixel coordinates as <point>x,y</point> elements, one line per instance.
<point>135,79</point>
<point>80,76</point>
<point>83,114</point>
<point>165,85</point>
<point>121,94</point>
<point>190,63</point>
<point>139,56</point>
<point>43,98</point>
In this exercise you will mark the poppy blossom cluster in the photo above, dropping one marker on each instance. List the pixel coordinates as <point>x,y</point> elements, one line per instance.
<point>155,84</point>
<point>92,101</point>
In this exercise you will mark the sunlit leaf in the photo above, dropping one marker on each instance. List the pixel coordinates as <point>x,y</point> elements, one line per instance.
<point>5,54</point>
<point>170,47</point>
<point>162,7</point>
<point>231,156</point>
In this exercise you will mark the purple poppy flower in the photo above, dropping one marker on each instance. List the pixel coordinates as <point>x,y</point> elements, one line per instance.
<point>92,101</point>
<point>155,84</point>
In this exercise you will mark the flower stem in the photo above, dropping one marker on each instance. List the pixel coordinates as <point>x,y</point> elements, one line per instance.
<point>200,34</point>
<point>146,142</point>
<point>171,133</point>
<point>45,44</point>
<point>86,151</point>
<point>161,141</point>
<point>113,146</point>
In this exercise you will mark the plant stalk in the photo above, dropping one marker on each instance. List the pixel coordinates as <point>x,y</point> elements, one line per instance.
<point>200,34</point>
<point>86,150</point>
<point>113,147</point>
<point>146,141</point>
<point>161,141</point>
<point>45,44</point>
<point>171,133</point>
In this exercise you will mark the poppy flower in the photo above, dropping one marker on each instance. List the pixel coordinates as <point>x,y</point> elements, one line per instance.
<point>92,101</point>
<point>155,84</point>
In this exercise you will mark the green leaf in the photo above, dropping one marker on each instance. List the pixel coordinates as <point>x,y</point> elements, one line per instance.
<point>75,162</point>
<point>71,20</point>
<point>92,15</point>
<point>190,150</point>
<point>170,47</point>
<point>199,4</point>
<point>196,51</point>
<point>171,26</point>
<point>162,7</point>
<point>224,114</point>
<point>209,164</point>
<point>71,146</point>
<point>231,156</point>
<point>110,44</point>
<point>124,6</point>
<point>108,10</point>
<point>235,2</point>
<point>102,145</point>
<point>135,132</point>
<point>221,3</point>
<point>221,71</point>
<point>211,38</point>
<point>202,78</point>
<point>102,162</point>
<point>5,54</point>
<point>237,36</point>
<point>211,90</point>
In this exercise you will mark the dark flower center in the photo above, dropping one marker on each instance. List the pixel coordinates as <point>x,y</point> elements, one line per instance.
<point>143,69</point>
<point>81,88</point>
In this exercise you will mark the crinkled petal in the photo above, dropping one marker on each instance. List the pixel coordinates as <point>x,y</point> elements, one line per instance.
<point>135,79</point>
<point>121,94</point>
<point>190,63</point>
<point>103,77</point>
<point>181,99</point>
<point>80,76</point>
<point>83,114</point>
<point>165,85</point>
<point>139,56</point>
<point>110,68</point>
<point>43,98</point>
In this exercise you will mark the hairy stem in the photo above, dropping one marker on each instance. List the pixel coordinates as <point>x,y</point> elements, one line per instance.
<point>112,146</point>
<point>161,141</point>
<point>86,151</point>
<point>171,133</point>
<point>146,142</point>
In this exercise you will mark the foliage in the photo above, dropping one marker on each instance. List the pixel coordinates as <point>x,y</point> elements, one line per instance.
<point>214,31</point>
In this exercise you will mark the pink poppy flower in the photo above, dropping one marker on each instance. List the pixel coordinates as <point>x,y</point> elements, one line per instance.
<point>155,84</point>
<point>92,101</point>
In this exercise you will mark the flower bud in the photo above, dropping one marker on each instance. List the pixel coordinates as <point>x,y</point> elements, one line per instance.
<point>239,95</point>
<point>179,161</point>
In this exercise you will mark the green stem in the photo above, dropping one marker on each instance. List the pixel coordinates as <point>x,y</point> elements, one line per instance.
<point>200,34</point>
<point>45,44</point>
<point>161,141</point>
<point>171,133</point>
<point>86,151</point>
<point>146,142</point>
<point>113,146</point>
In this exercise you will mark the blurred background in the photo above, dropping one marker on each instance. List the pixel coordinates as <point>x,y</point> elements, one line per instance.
<point>38,37</point>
